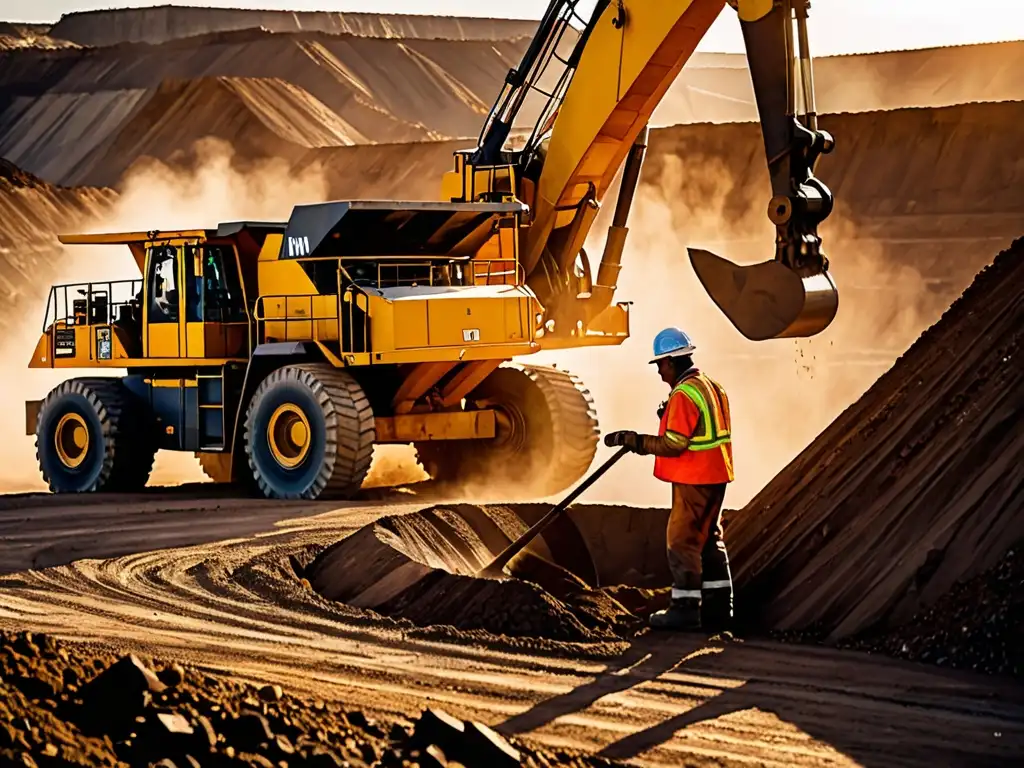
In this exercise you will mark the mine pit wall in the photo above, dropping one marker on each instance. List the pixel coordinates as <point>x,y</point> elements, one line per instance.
<point>916,486</point>
<point>83,99</point>
<point>384,90</point>
<point>158,25</point>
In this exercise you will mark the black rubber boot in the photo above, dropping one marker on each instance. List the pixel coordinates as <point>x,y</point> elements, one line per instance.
<point>716,584</point>
<point>683,615</point>
<point>716,610</point>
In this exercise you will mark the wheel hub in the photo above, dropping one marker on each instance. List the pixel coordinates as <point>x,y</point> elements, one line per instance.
<point>510,427</point>
<point>288,435</point>
<point>71,439</point>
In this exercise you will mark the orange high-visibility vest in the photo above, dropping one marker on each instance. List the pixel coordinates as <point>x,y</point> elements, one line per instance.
<point>698,409</point>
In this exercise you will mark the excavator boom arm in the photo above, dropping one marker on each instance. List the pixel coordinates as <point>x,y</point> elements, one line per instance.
<point>601,96</point>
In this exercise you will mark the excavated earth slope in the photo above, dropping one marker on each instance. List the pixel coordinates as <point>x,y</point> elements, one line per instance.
<point>28,36</point>
<point>256,117</point>
<point>931,189</point>
<point>916,486</point>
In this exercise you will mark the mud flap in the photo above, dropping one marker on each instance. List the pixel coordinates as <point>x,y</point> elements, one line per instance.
<point>767,300</point>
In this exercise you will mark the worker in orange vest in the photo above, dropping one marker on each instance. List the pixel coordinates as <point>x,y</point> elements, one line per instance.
<point>693,452</point>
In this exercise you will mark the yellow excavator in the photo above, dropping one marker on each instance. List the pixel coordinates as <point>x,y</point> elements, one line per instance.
<point>281,353</point>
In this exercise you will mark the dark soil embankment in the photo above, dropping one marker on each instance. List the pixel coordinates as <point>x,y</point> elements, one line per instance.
<point>61,705</point>
<point>593,576</point>
<point>917,486</point>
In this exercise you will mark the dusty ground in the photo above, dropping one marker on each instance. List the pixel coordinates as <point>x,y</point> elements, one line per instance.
<point>222,600</point>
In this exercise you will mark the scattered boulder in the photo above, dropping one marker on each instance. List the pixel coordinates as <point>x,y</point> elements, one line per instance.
<point>271,693</point>
<point>115,697</point>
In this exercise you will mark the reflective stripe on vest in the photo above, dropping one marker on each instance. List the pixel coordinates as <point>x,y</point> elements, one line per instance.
<point>713,427</point>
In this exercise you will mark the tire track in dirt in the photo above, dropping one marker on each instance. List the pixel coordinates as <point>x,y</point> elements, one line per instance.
<point>225,600</point>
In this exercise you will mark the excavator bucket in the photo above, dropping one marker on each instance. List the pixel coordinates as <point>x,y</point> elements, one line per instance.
<point>767,300</point>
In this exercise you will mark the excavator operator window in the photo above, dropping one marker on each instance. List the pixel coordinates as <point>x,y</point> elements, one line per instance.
<point>222,288</point>
<point>163,284</point>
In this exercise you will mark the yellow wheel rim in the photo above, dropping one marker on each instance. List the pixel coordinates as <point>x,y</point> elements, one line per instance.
<point>288,435</point>
<point>71,439</point>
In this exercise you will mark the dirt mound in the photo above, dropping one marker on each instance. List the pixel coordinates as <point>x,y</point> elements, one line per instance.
<point>915,487</point>
<point>61,705</point>
<point>978,624</point>
<point>590,577</point>
<point>160,24</point>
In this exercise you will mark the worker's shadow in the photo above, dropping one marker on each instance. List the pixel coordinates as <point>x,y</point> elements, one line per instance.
<point>646,659</point>
<point>736,681</point>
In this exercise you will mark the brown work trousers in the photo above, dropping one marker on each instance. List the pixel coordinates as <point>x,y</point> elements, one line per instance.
<point>696,548</point>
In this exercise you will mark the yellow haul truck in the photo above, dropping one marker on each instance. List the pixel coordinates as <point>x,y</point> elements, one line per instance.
<point>281,353</point>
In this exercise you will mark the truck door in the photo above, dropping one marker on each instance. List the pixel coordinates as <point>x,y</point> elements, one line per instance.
<point>163,333</point>
<point>226,320</point>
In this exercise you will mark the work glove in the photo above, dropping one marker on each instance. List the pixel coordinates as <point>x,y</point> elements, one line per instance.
<point>630,440</point>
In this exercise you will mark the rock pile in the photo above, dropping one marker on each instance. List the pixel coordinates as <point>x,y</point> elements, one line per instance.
<point>978,625</point>
<point>61,706</point>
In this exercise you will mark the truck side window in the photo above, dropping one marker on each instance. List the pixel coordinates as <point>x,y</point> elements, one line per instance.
<point>222,287</point>
<point>193,286</point>
<point>163,284</point>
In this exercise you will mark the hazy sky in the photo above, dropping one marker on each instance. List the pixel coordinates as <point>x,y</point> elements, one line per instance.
<point>838,26</point>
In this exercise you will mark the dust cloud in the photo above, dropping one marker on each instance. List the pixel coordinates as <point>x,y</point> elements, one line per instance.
<point>782,392</point>
<point>213,188</point>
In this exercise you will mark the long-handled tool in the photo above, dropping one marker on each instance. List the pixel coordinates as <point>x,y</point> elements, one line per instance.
<point>494,569</point>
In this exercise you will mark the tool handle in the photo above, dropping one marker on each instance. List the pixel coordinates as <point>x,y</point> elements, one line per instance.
<point>521,543</point>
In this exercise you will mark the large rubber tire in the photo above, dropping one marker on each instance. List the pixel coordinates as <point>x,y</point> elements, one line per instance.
<point>121,446</point>
<point>552,445</point>
<point>341,433</point>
